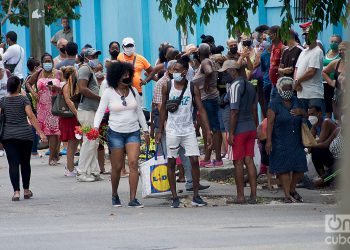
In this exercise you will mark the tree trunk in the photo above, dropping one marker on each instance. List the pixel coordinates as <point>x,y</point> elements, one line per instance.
<point>37,28</point>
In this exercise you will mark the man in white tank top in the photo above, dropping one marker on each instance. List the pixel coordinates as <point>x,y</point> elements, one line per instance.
<point>180,130</point>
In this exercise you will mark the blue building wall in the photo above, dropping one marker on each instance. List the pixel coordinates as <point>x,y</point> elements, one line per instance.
<point>103,21</point>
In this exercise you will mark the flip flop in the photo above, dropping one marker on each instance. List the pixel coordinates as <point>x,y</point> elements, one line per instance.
<point>28,196</point>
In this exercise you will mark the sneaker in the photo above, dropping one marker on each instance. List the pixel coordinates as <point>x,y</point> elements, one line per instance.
<point>198,202</point>
<point>175,203</point>
<point>135,203</point>
<point>116,201</point>
<point>69,173</point>
<point>2,153</point>
<point>85,178</point>
<point>97,177</point>
<point>204,163</point>
<point>63,152</point>
<point>214,164</point>
<point>47,152</point>
<point>201,187</point>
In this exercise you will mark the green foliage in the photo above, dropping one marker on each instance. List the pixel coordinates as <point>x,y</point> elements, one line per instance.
<point>320,12</point>
<point>54,9</point>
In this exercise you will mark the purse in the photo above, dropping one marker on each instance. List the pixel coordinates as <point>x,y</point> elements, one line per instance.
<point>173,105</point>
<point>307,137</point>
<point>60,107</point>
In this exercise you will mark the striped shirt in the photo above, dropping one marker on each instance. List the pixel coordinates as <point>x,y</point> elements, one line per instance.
<point>16,123</point>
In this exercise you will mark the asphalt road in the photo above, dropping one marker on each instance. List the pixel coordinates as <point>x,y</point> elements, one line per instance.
<point>64,214</point>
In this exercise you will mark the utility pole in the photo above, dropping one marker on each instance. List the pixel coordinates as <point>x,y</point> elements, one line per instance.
<point>37,28</point>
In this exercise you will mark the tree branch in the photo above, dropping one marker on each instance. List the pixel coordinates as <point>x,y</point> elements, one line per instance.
<point>9,12</point>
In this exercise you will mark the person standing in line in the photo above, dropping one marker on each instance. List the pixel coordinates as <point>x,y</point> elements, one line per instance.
<point>13,57</point>
<point>65,33</point>
<point>308,73</point>
<point>71,52</point>
<point>125,118</point>
<point>180,130</point>
<point>88,169</point>
<point>17,136</point>
<point>242,133</point>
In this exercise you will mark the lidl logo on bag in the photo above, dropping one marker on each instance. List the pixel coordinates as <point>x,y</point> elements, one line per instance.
<point>159,179</point>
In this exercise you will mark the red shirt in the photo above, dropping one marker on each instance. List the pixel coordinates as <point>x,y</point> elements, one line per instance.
<point>275,59</point>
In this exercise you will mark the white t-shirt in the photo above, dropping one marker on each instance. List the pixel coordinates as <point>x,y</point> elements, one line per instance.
<point>122,119</point>
<point>312,88</point>
<point>14,54</point>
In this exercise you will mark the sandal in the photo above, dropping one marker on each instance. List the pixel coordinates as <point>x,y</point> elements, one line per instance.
<point>239,202</point>
<point>15,198</point>
<point>287,200</point>
<point>29,195</point>
<point>252,201</point>
<point>296,196</point>
<point>52,163</point>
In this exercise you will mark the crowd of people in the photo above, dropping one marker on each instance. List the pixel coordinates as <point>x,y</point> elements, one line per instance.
<point>262,91</point>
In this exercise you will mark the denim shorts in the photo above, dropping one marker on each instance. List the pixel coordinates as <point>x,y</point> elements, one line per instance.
<point>212,108</point>
<point>118,140</point>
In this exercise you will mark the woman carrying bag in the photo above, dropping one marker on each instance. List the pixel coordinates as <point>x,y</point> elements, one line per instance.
<point>17,136</point>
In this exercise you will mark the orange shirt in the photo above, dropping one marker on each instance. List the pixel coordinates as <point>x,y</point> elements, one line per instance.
<point>141,64</point>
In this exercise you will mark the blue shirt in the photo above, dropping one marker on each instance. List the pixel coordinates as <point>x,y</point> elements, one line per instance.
<point>265,66</point>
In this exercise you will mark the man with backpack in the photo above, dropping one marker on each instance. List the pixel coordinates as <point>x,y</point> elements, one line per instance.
<point>242,133</point>
<point>177,108</point>
<point>88,168</point>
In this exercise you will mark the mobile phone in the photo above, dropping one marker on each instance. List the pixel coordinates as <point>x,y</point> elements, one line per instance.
<point>50,83</point>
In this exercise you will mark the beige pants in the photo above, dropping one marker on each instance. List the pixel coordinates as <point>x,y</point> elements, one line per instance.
<point>88,163</point>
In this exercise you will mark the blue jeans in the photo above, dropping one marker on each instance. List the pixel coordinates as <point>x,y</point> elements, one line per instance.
<point>184,159</point>
<point>35,142</point>
<point>212,108</point>
<point>319,102</point>
<point>119,140</point>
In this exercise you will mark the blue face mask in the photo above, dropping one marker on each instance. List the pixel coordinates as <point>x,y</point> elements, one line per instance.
<point>47,66</point>
<point>93,63</point>
<point>177,77</point>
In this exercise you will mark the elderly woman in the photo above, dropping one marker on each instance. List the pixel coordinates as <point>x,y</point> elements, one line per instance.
<point>284,142</point>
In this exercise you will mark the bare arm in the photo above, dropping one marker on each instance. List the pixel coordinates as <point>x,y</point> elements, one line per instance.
<point>85,91</point>
<point>207,69</point>
<point>31,82</point>
<point>270,121</point>
<point>69,102</point>
<point>310,72</point>
<point>154,71</point>
<point>327,71</point>
<point>201,110</point>
<point>34,122</point>
<point>329,140</point>
<point>162,110</point>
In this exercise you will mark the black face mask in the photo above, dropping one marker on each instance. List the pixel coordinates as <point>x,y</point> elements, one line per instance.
<point>247,43</point>
<point>127,81</point>
<point>114,53</point>
<point>234,50</point>
<point>196,56</point>
<point>63,50</point>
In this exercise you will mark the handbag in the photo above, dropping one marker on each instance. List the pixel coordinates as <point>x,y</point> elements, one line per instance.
<point>60,107</point>
<point>307,137</point>
<point>2,119</point>
<point>173,105</point>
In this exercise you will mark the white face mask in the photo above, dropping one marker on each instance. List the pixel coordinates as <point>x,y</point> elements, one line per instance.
<point>129,51</point>
<point>313,119</point>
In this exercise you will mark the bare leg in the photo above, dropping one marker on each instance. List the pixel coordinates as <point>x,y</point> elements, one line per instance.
<point>207,151</point>
<point>181,173</point>
<point>217,141</point>
<point>251,175</point>
<point>53,140</point>
<point>117,156</point>
<point>239,178</point>
<point>296,177</point>
<point>101,158</point>
<point>285,182</point>
<point>195,174</point>
<point>133,152</point>
<point>224,144</point>
<point>71,149</point>
<point>171,176</point>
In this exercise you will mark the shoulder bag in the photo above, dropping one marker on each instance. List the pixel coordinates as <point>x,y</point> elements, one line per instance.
<point>307,137</point>
<point>173,105</point>
<point>60,107</point>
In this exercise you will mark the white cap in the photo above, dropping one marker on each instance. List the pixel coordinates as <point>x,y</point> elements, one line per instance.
<point>128,40</point>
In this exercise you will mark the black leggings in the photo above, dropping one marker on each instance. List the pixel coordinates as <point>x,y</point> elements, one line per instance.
<point>18,153</point>
<point>322,157</point>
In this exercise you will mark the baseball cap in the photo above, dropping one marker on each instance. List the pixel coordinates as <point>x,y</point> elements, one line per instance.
<point>229,64</point>
<point>91,52</point>
<point>306,27</point>
<point>128,40</point>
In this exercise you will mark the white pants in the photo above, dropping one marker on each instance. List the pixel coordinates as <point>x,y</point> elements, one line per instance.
<point>88,163</point>
<point>189,143</point>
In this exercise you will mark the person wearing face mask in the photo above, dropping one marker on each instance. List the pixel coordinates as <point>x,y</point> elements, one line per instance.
<point>48,83</point>
<point>265,68</point>
<point>139,63</point>
<point>276,54</point>
<point>337,68</point>
<point>88,168</point>
<point>308,73</point>
<point>14,57</point>
<point>61,46</point>
<point>123,135</point>
<point>284,142</point>
<point>71,51</point>
<point>331,55</point>
<point>114,50</point>
<point>242,129</point>
<point>65,33</point>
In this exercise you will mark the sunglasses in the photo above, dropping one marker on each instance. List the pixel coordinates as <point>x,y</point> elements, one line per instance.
<point>123,101</point>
